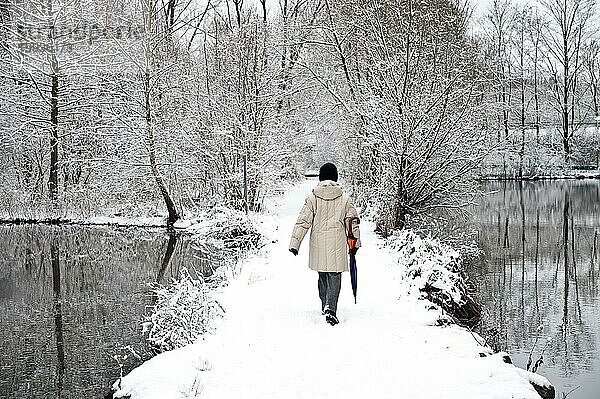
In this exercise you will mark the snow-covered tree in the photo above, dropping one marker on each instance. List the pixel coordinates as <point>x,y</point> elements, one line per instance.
<point>411,81</point>
<point>44,72</point>
<point>566,32</point>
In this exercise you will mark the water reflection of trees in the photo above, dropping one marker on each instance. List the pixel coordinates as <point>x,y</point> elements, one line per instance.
<point>71,297</point>
<point>58,324</point>
<point>541,248</point>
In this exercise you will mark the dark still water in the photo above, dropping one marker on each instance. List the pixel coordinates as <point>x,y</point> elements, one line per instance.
<point>539,278</point>
<point>72,299</point>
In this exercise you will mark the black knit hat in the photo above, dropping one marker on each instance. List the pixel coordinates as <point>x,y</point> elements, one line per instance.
<point>328,172</point>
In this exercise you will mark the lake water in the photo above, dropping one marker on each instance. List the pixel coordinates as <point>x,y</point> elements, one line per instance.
<point>73,298</point>
<point>539,278</point>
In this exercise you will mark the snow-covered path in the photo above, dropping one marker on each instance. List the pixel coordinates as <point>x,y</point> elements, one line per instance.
<point>274,342</point>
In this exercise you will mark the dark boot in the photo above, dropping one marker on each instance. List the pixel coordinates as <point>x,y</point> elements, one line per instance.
<point>331,318</point>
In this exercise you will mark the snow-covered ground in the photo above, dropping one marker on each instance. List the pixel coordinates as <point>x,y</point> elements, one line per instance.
<point>274,343</point>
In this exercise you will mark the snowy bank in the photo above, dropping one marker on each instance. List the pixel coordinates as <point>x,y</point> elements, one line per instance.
<point>273,342</point>
<point>114,221</point>
<point>434,271</point>
<point>224,224</point>
<point>567,175</point>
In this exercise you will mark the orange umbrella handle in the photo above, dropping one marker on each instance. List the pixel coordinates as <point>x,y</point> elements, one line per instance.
<point>352,242</point>
<point>350,234</point>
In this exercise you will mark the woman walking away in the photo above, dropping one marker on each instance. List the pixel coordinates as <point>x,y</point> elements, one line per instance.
<point>326,210</point>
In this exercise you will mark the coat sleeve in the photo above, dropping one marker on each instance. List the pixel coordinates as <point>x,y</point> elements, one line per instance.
<point>304,222</point>
<point>351,213</point>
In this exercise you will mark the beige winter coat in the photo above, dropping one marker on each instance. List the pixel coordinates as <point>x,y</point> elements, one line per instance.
<point>325,210</point>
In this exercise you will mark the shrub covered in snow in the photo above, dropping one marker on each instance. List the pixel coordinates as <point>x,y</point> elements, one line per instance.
<point>435,270</point>
<point>224,227</point>
<point>183,311</point>
<point>185,308</point>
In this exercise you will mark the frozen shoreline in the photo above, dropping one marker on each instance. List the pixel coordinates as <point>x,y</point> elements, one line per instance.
<point>93,221</point>
<point>273,343</point>
<point>572,175</point>
<point>218,215</point>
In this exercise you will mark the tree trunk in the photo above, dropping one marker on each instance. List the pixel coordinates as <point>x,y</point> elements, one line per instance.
<point>263,4</point>
<point>565,105</point>
<point>284,60</point>
<point>565,100</point>
<point>173,214</point>
<point>522,66</point>
<point>595,98</point>
<point>53,180</point>
<point>536,97</point>
<point>573,86</point>
<point>238,11</point>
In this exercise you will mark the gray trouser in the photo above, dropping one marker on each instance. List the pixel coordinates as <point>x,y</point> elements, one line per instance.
<point>329,289</point>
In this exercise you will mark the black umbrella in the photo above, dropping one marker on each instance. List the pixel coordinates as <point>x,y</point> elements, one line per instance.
<point>353,273</point>
<point>352,247</point>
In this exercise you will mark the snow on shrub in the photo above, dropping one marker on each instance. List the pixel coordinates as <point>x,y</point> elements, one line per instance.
<point>434,271</point>
<point>185,308</point>
<point>183,312</point>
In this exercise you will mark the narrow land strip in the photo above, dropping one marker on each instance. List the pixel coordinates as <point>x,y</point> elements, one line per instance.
<point>274,342</point>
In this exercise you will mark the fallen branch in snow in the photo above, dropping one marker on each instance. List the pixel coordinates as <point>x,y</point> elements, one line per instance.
<point>435,271</point>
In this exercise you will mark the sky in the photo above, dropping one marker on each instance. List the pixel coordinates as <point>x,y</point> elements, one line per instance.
<point>480,7</point>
